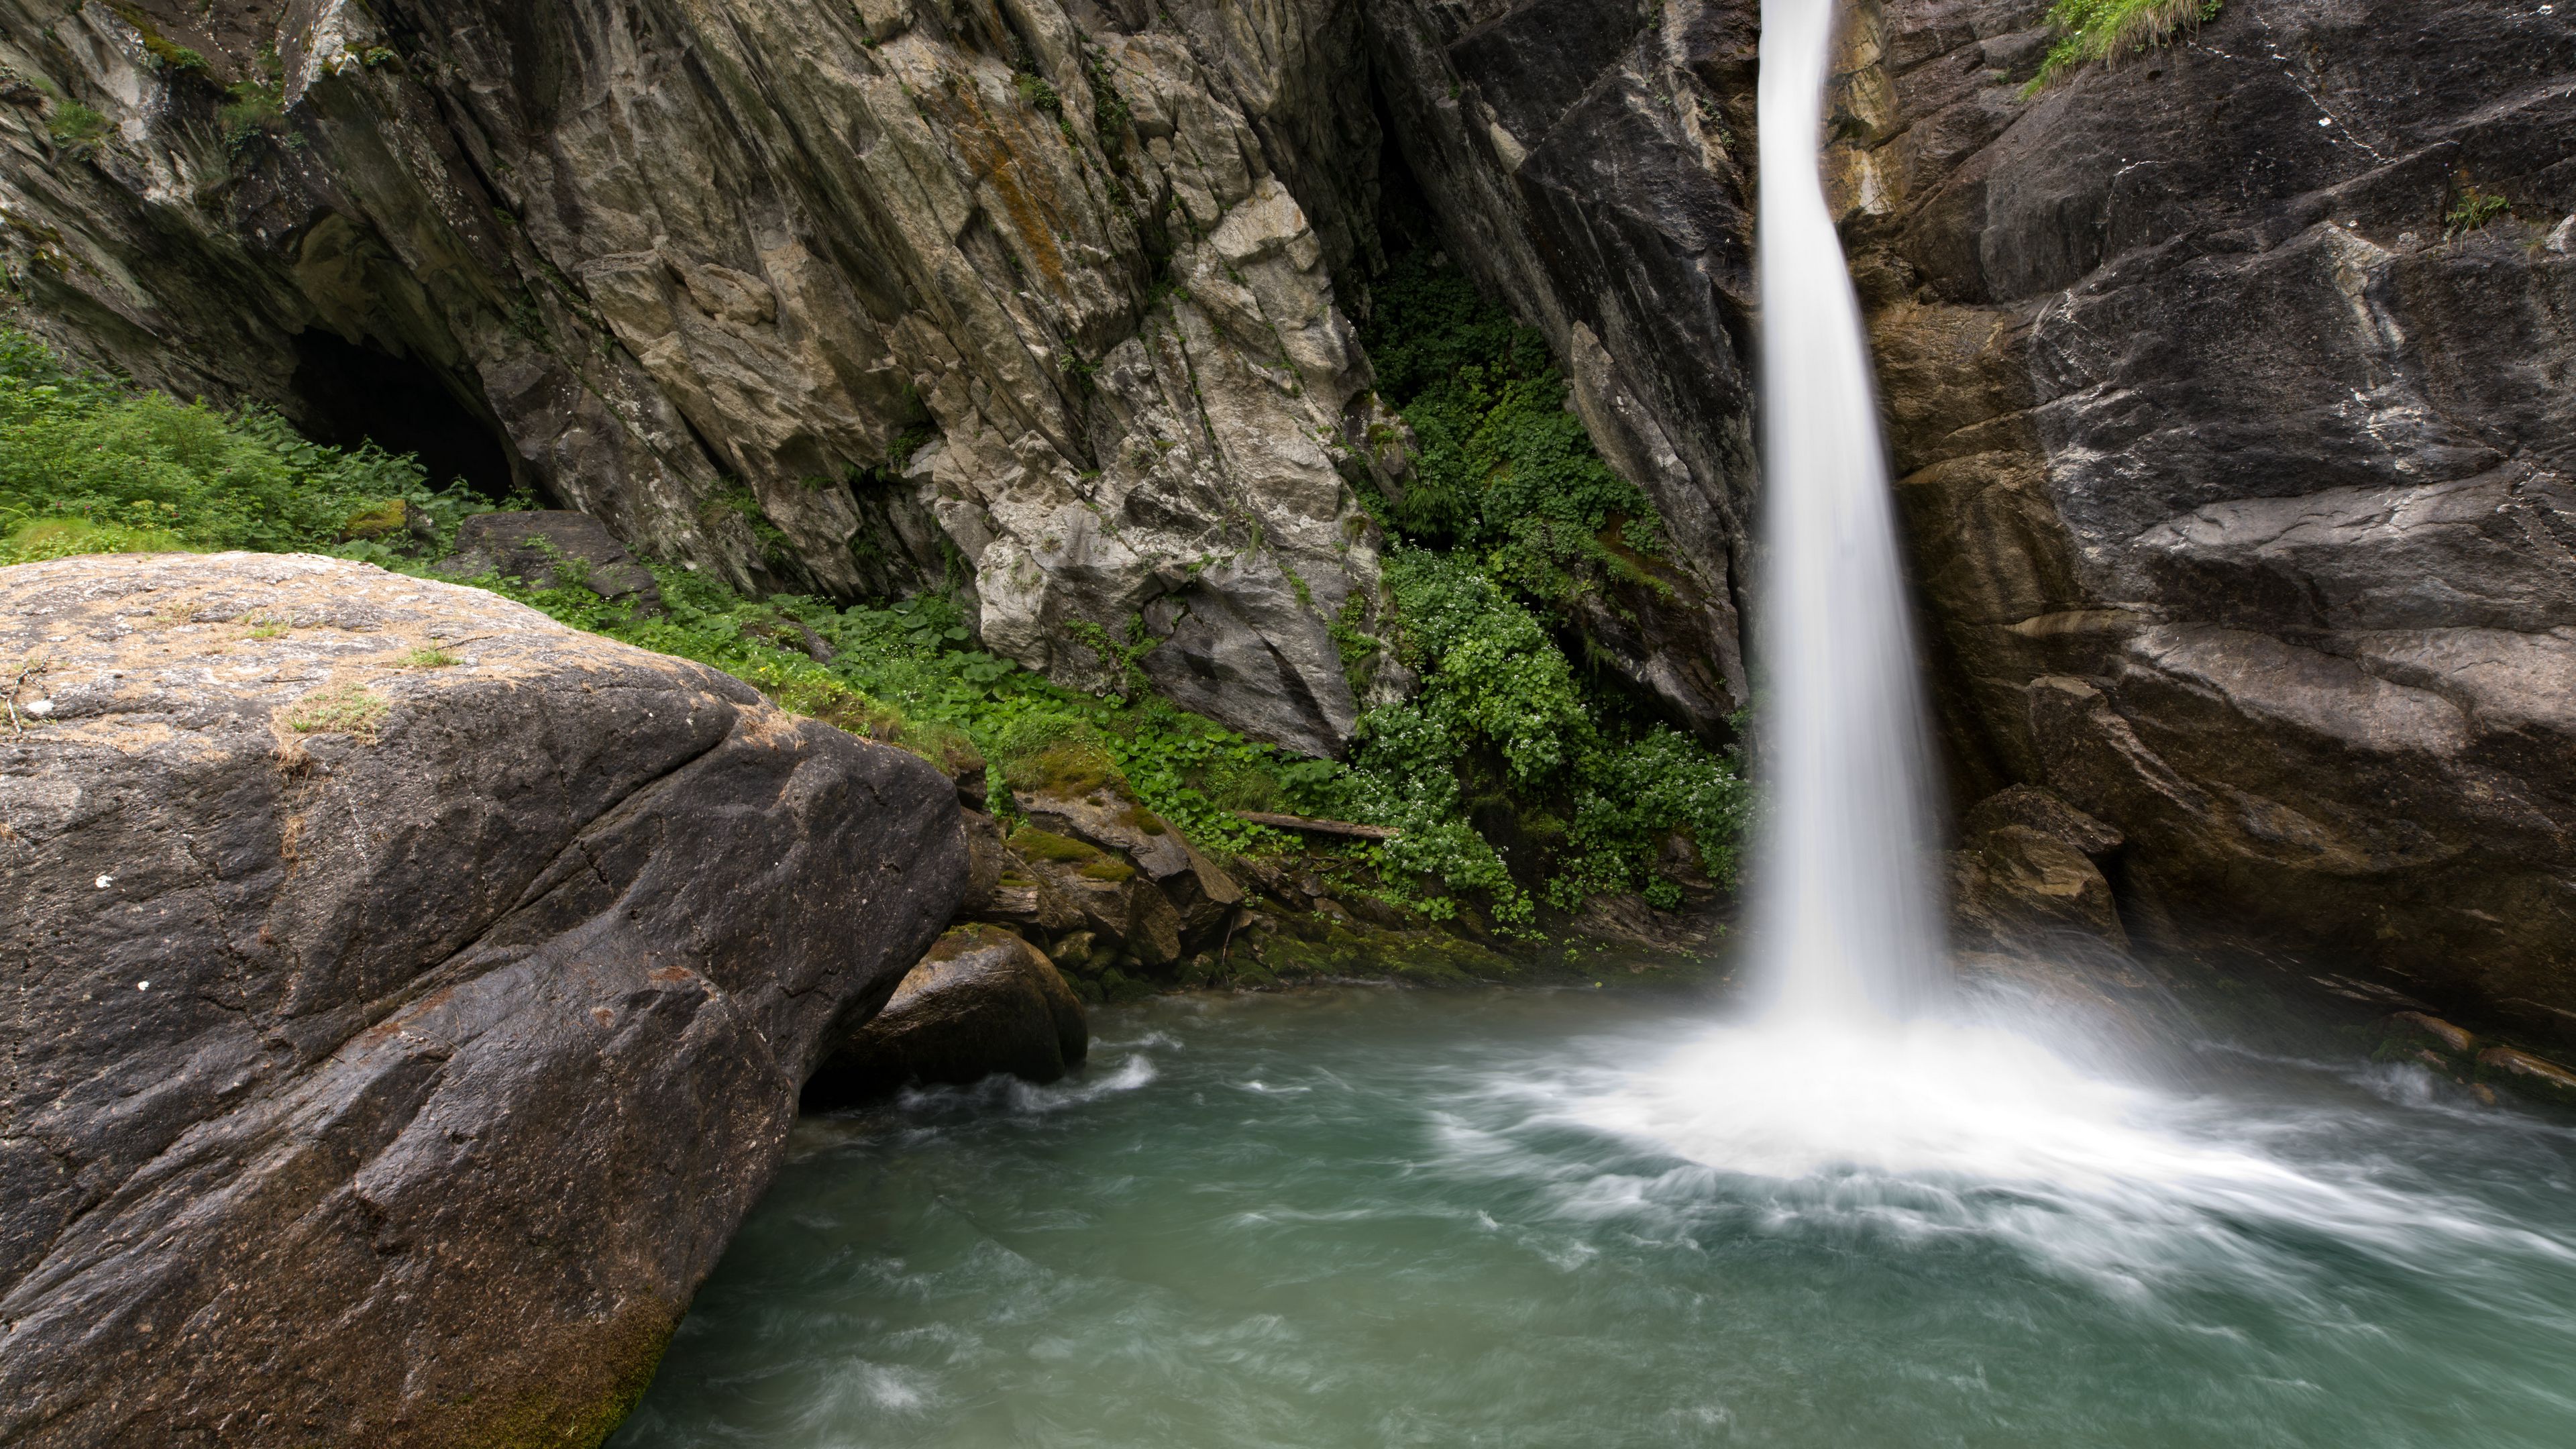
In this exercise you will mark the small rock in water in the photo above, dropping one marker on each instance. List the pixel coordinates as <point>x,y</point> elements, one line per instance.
<point>2535,1076</point>
<point>982,1001</point>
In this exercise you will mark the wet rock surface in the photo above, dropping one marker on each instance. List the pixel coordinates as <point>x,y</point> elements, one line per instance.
<point>982,1001</point>
<point>408,996</point>
<point>2029,872</point>
<point>2236,459</point>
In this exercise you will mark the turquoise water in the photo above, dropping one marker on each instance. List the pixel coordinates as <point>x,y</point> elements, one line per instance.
<point>1585,1218</point>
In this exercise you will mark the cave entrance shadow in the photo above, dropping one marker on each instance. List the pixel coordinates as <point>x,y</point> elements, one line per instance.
<point>353,394</point>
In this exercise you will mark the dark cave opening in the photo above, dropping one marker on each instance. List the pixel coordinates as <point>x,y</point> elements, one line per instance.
<point>353,394</point>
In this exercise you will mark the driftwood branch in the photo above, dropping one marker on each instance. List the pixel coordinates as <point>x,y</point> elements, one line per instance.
<point>1320,827</point>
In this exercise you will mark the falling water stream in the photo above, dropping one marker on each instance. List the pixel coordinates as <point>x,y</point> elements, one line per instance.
<point>1844,905</point>
<point>1870,1211</point>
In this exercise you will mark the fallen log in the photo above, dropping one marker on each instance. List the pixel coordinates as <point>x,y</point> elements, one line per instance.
<point>1347,828</point>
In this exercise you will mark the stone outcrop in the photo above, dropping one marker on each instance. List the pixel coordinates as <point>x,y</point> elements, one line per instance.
<point>984,1001</point>
<point>2237,460</point>
<point>2028,871</point>
<point>407,997</point>
<point>552,549</point>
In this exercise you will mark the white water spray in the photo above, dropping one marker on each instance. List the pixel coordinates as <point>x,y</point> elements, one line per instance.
<point>1845,906</point>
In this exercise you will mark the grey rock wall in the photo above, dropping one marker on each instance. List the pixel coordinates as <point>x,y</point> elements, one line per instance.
<point>2239,475</point>
<point>701,269</point>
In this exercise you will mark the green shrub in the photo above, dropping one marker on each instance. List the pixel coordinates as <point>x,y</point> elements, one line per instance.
<point>87,466</point>
<point>1500,466</point>
<point>1502,712</point>
<point>74,124</point>
<point>2108,30</point>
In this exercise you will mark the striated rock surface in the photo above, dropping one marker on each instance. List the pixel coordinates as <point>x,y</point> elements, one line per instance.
<point>2238,461</point>
<point>407,997</point>
<point>983,1001</point>
<point>714,275</point>
<point>1582,158</point>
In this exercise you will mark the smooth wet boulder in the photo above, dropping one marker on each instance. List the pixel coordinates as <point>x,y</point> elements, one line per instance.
<point>407,997</point>
<point>983,1001</point>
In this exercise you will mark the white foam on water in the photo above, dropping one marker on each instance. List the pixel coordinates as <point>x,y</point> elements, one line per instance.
<point>1941,1130</point>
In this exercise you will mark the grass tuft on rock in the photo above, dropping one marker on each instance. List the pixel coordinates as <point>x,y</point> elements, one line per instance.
<point>342,709</point>
<point>2110,31</point>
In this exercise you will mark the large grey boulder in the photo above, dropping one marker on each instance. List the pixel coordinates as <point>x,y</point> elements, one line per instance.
<point>407,997</point>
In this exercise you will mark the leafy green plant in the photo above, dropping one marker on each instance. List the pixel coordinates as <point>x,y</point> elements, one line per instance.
<point>1501,466</point>
<point>1502,714</point>
<point>2109,30</point>
<point>87,466</point>
<point>2472,210</point>
<point>1108,105</point>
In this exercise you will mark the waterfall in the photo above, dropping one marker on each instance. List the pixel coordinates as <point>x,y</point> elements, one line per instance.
<point>1844,909</point>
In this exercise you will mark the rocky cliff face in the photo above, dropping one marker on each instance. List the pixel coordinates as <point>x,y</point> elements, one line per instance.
<point>407,997</point>
<point>2234,455</point>
<point>1589,159</point>
<point>714,275</point>
<point>2236,439</point>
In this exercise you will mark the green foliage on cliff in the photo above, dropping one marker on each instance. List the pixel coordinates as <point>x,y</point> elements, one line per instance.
<point>75,124</point>
<point>1501,465</point>
<point>2472,209</point>
<point>1510,515</point>
<point>2108,30</point>
<point>1503,719</point>
<point>88,466</point>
